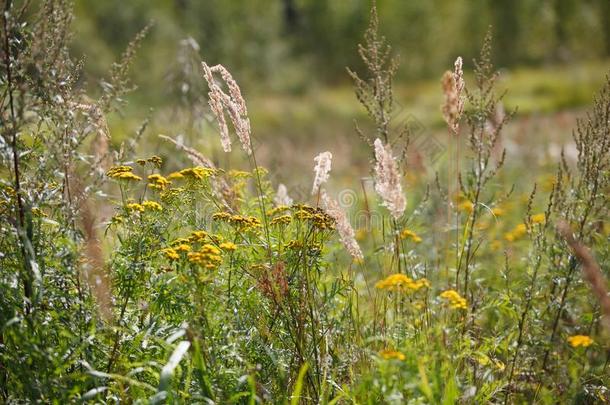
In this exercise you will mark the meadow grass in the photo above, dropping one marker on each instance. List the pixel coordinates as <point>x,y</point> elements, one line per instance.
<point>139,269</point>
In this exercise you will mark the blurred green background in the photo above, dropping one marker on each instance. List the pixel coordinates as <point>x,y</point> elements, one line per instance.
<point>289,56</point>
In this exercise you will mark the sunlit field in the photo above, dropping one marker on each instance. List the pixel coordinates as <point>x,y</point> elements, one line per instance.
<point>374,240</point>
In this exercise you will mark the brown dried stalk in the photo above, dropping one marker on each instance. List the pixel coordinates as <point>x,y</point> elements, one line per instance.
<point>591,272</point>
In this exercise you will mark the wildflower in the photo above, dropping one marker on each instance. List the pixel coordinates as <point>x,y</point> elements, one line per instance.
<point>151,205</point>
<point>402,283</point>
<point>517,233</point>
<point>135,207</point>
<point>180,241</point>
<point>158,182</point>
<point>175,176</point>
<point>346,232</point>
<point>128,176</point>
<point>281,220</point>
<point>114,171</point>
<point>278,210</point>
<point>538,218</point>
<point>197,236</point>
<point>155,160</point>
<point>392,355</point>
<point>456,301</point>
<point>580,341</point>
<point>322,170</point>
<point>453,85</point>
<point>171,254</point>
<point>466,206</point>
<point>208,256</point>
<point>122,173</point>
<point>197,173</point>
<point>282,197</point>
<point>498,212</point>
<point>228,246</point>
<point>221,216</point>
<point>387,180</point>
<point>183,247</point>
<point>141,162</point>
<point>407,234</point>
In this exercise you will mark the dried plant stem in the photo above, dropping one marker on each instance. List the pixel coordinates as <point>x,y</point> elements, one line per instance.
<point>591,272</point>
<point>27,276</point>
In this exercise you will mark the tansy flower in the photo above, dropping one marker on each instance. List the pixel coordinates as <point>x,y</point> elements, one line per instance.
<point>517,233</point>
<point>402,283</point>
<point>498,212</point>
<point>171,254</point>
<point>538,218</point>
<point>197,173</point>
<point>122,173</point>
<point>281,220</point>
<point>466,206</point>
<point>183,247</point>
<point>229,246</point>
<point>156,160</point>
<point>135,207</point>
<point>197,236</point>
<point>392,355</point>
<point>158,182</point>
<point>410,235</point>
<point>151,205</point>
<point>175,175</point>
<point>208,256</point>
<point>456,301</point>
<point>580,341</point>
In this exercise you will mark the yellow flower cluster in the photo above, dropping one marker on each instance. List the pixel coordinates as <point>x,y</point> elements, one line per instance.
<point>198,236</point>
<point>228,246</point>
<point>466,206</point>
<point>197,173</point>
<point>408,234</point>
<point>456,301</point>
<point>538,218</point>
<point>281,220</point>
<point>498,212</point>
<point>122,173</point>
<point>392,355</point>
<point>208,256</point>
<point>158,182</point>
<point>171,253</point>
<point>135,207</point>
<point>146,205</point>
<point>241,221</point>
<point>152,206</point>
<point>580,341</point>
<point>317,216</point>
<point>402,283</point>
<point>517,233</point>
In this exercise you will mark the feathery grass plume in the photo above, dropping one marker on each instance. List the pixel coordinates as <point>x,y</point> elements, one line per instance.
<point>453,85</point>
<point>387,180</point>
<point>346,232</point>
<point>282,197</point>
<point>591,272</point>
<point>233,103</point>
<point>322,170</point>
